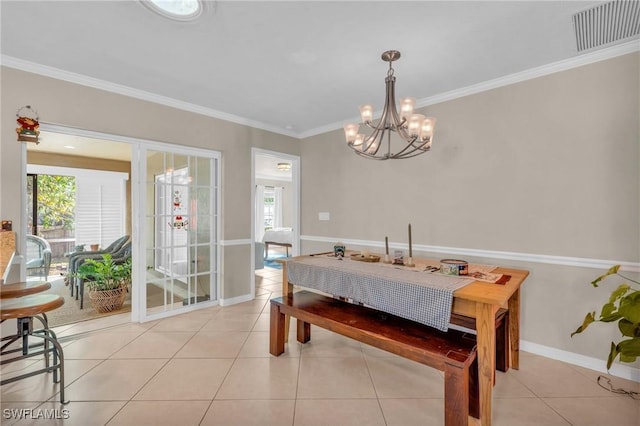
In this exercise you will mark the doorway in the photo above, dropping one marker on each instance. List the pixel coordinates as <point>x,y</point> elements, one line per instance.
<point>76,198</point>
<point>180,198</point>
<point>178,255</point>
<point>276,219</point>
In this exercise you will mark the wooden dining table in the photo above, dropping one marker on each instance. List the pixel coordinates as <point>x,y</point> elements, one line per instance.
<point>480,301</point>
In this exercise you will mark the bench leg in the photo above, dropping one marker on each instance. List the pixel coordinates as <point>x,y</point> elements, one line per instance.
<point>304,331</point>
<point>456,395</point>
<point>276,331</point>
<point>514,329</point>
<point>502,344</point>
<point>474,390</point>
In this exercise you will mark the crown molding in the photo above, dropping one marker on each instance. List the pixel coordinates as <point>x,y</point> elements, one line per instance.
<point>578,61</point>
<point>95,83</point>
<point>567,64</point>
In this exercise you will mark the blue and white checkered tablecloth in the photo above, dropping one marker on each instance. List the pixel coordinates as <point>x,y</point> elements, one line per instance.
<point>406,292</point>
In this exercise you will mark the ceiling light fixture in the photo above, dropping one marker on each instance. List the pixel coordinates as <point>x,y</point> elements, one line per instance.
<point>180,10</point>
<point>415,130</point>
<point>285,167</point>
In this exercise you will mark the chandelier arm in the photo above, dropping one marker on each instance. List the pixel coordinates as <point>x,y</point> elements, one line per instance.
<point>420,146</point>
<point>383,123</point>
<point>410,155</point>
<point>398,123</point>
<point>369,156</point>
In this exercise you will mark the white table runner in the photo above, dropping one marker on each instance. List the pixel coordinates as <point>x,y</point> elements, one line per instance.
<point>409,293</point>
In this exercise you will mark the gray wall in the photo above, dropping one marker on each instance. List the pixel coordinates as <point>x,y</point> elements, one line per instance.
<point>73,105</point>
<point>546,167</point>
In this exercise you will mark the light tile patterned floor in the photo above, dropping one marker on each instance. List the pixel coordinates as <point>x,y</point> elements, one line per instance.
<point>212,367</point>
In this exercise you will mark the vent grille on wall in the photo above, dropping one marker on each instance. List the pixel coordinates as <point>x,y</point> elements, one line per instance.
<point>607,23</point>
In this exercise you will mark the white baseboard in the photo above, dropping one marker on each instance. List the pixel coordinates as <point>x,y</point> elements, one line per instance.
<point>618,370</point>
<point>235,300</point>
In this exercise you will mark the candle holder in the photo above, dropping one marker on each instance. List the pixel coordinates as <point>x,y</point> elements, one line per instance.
<point>409,262</point>
<point>386,259</point>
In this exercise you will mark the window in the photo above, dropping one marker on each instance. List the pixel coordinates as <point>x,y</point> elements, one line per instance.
<point>100,203</point>
<point>269,208</point>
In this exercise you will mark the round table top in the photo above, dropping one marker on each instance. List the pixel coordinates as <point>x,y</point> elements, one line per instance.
<point>13,290</point>
<point>29,306</point>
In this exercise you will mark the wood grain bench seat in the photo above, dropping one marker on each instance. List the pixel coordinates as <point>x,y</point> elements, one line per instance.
<point>453,352</point>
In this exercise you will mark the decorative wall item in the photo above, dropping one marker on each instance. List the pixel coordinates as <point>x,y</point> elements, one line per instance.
<point>28,125</point>
<point>178,209</point>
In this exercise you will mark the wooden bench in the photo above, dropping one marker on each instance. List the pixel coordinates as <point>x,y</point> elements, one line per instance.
<point>453,352</point>
<point>502,336</point>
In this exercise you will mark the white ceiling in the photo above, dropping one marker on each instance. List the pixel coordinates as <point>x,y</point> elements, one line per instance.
<point>266,167</point>
<point>82,146</point>
<point>293,67</point>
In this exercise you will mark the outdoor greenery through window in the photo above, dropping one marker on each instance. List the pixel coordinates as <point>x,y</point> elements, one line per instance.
<point>55,203</point>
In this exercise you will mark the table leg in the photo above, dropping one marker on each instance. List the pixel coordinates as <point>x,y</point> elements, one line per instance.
<point>485,327</point>
<point>276,331</point>
<point>287,289</point>
<point>514,328</point>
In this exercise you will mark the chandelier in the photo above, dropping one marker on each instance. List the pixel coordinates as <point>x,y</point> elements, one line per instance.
<point>415,131</point>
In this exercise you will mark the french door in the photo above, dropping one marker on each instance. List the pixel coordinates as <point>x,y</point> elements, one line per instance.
<point>179,194</point>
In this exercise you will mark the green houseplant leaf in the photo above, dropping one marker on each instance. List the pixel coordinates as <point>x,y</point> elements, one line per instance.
<point>612,271</point>
<point>105,274</point>
<point>622,307</point>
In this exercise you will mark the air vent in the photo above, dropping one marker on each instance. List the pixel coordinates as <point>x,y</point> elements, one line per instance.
<point>607,23</point>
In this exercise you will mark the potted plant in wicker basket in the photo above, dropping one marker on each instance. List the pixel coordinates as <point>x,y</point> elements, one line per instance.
<point>107,282</point>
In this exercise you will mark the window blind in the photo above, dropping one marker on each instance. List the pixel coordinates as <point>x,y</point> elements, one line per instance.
<point>100,209</point>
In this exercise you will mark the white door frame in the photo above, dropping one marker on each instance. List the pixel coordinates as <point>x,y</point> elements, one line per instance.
<point>295,176</point>
<point>138,209</point>
<point>137,213</point>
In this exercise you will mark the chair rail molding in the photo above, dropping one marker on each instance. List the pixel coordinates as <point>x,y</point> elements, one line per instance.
<point>493,254</point>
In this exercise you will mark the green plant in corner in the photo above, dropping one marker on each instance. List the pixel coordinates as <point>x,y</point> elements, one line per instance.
<point>623,307</point>
<point>105,274</point>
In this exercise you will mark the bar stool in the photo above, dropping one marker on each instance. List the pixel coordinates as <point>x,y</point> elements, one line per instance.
<point>13,290</point>
<point>25,288</point>
<point>24,309</point>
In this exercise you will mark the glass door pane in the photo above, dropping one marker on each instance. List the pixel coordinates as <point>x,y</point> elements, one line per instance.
<point>180,231</point>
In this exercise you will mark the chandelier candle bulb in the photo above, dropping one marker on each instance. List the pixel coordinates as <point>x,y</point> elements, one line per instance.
<point>366,113</point>
<point>415,124</point>
<point>350,132</point>
<point>406,107</point>
<point>426,132</point>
